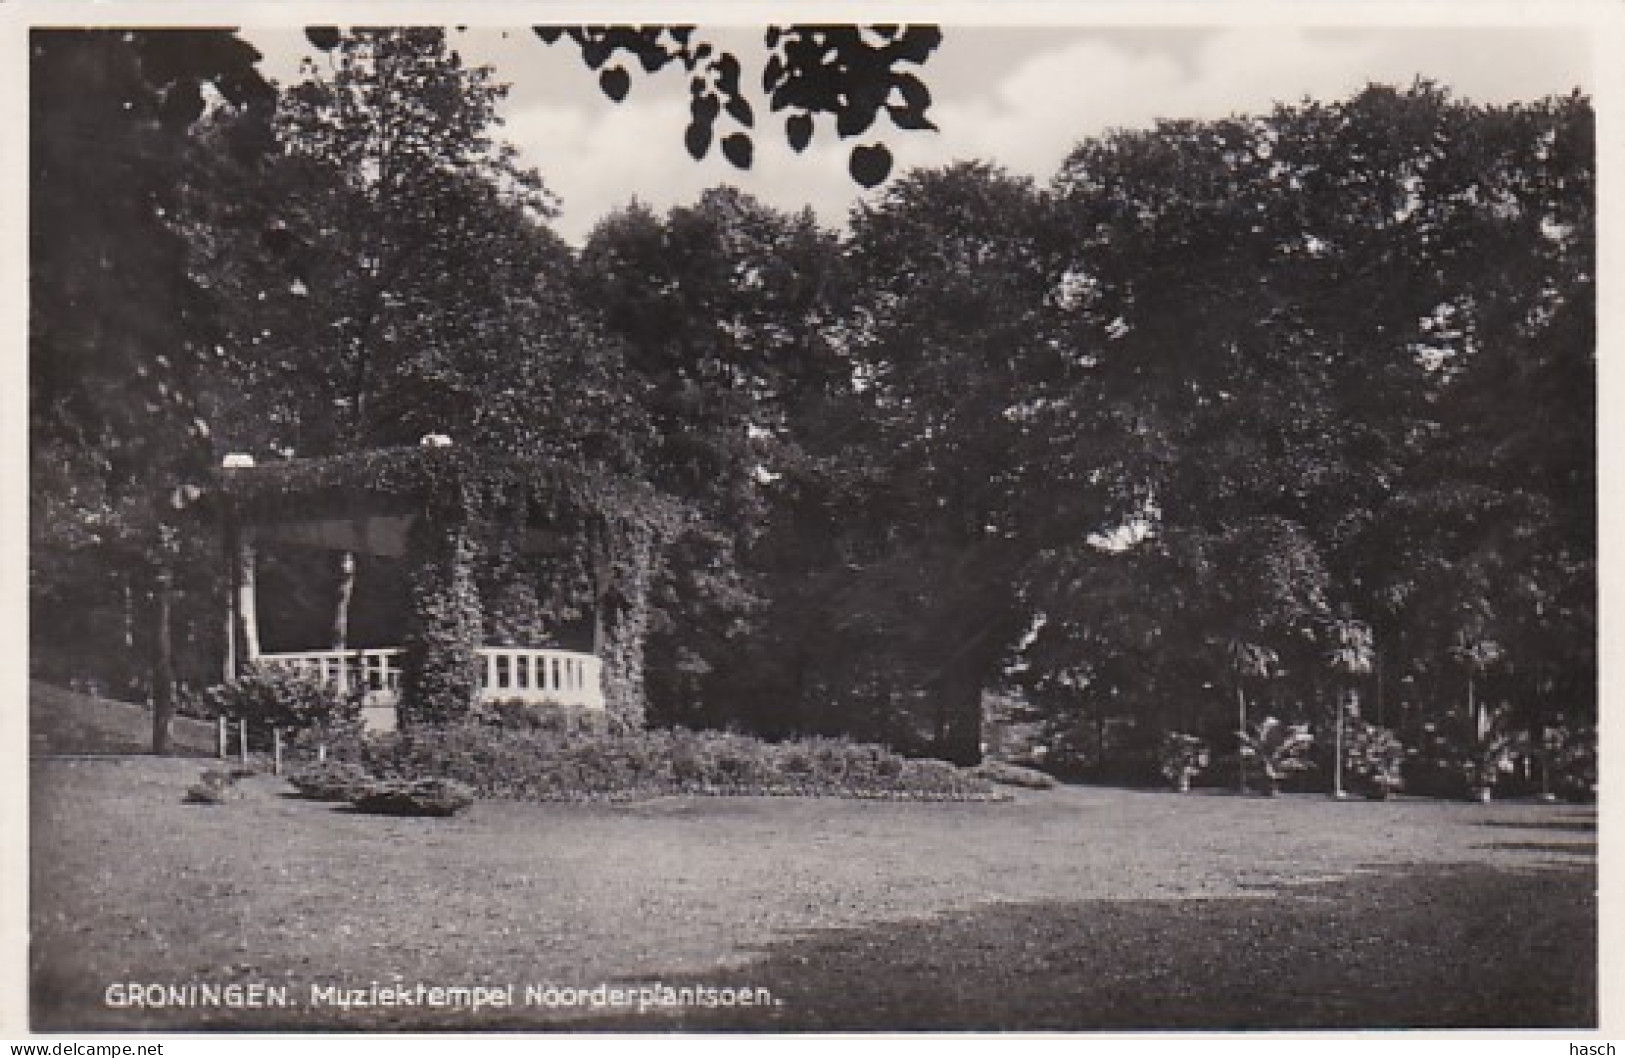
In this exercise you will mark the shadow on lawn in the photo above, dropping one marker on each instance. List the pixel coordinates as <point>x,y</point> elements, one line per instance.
<point>1568,848</point>
<point>1395,947</point>
<point>1578,824</point>
<point>1453,947</point>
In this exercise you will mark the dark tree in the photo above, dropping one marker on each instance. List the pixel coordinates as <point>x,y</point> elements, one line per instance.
<point>119,329</point>
<point>725,316</point>
<point>1295,314</point>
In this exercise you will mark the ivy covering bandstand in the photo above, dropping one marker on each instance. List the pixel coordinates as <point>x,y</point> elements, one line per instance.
<point>446,512</point>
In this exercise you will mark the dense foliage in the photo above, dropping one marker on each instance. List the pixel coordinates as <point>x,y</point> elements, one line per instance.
<point>1182,757</point>
<point>1373,759</point>
<point>271,696</point>
<point>119,332</point>
<point>440,674</point>
<point>1273,750</point>
<point>1287,414</point>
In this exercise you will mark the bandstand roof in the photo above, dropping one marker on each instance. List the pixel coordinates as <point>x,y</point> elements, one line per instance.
<point>363,502</point>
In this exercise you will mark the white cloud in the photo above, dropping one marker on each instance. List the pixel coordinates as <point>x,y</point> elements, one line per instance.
<point>1008,99</point>
<point>1030,119</point>
<point>597,159</point>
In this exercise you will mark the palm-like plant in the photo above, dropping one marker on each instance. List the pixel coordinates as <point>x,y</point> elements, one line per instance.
<point>1182,757</point>
<point>1476,654</point>
<point>1373,756</point>
<point>1350,656</point>
<point>1248,660</point>
<point>1486,761</point>
<point>1277,749</point>
<point>1489,755</point>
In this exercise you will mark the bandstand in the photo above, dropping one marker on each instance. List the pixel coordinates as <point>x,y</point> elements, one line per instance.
<point>378,504</point>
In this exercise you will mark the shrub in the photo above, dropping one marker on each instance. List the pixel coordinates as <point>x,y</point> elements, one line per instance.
<point>212,788</point>
<point>998,771</point>
<point>270,696</point>
<point>1488,761</point>
<point>413,797</point>
<point>519,714</point>
<point>1452,759</point>
<point>1182,757</point>
<point>330,780</point>
<point>1372,758</point>
<point>796,762</point>
<point>863,763</point>
<point>346,741</point>
<point>739,762</point>
<point>829,760</point>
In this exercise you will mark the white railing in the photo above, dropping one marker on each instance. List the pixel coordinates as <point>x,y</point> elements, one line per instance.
<point>536,675</point>
<point>377,672</point>
<point>527,674</point>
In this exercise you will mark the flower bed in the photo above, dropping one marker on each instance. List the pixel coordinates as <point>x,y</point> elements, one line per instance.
<point>574,766</point>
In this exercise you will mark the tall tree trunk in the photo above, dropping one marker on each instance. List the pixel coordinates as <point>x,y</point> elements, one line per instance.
<point>1344,700</point>
<point>600,621</point>
<point>129,615</point>
<point>341,608</point>
<point>163,666</point>
<point>958,690</point>
<point>1382,698</point>
<point>130,661</point>
<point>962,742</point>
<point>1241,730</point>
<point>602,583</point>
<point>247,604</point>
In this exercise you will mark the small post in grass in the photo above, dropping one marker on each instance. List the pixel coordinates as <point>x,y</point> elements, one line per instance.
<point>276,751</point>
<point>321,751</point>
<point>220,730</point>
<point>1241,739</point>
<point>242,740</point>
<point>1337,753</point>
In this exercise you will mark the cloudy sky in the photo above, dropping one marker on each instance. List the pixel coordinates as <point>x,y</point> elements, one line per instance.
<point>1019,96</point>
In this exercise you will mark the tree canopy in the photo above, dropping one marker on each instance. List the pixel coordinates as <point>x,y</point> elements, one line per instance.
<point>1145,443</point>
<point>119,331</point>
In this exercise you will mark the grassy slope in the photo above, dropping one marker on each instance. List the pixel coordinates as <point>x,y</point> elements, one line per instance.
<point>1070,909</point>
<point>61,721</point>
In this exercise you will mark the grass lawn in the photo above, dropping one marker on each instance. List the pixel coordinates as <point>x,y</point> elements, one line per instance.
<point>62,722</point>
<point>1074,909</point>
